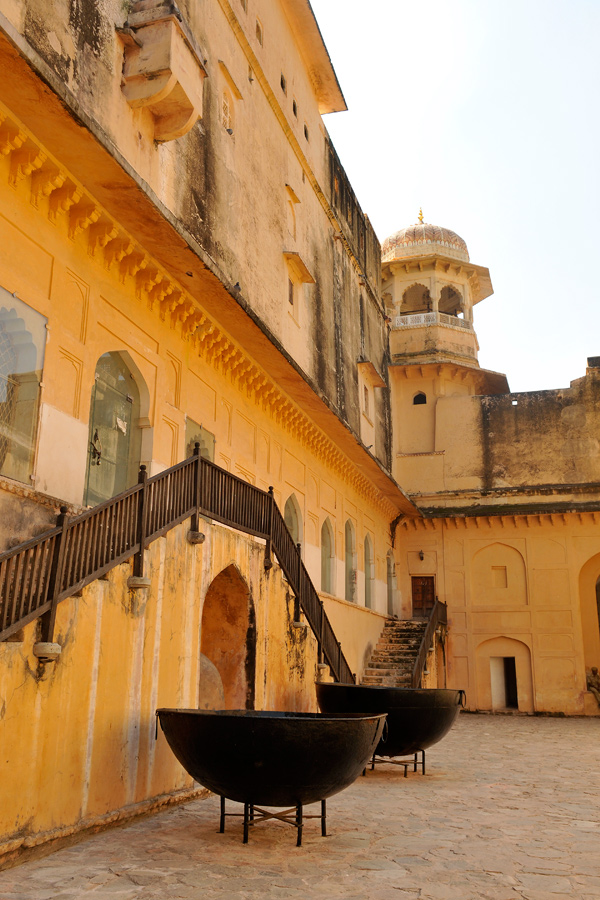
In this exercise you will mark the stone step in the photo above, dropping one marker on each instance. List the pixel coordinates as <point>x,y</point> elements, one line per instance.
<point>398,646</point>
<point>379,663</point>
<point>386,682</point>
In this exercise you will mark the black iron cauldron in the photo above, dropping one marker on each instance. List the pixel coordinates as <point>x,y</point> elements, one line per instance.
<point>272,758</point>
<point>416,717</point>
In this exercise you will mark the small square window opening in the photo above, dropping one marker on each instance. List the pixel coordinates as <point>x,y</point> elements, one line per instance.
<point>295,108</point>
<point>259,33</point>
<point>283,83</point>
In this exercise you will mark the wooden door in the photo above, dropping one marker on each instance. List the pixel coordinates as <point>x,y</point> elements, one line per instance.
<point>423,595</point>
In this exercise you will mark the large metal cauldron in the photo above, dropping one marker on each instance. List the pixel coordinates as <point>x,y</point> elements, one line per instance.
<point>416,718</point>
<point>272,758</point>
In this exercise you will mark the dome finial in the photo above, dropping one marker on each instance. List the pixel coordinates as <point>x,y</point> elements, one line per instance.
<point>420,215</point>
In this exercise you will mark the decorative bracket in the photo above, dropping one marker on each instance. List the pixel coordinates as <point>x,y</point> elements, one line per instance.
<point>163,70</point>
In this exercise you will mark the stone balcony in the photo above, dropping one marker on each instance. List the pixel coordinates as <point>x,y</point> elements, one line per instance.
<point>430,318</point>
<point>430,337</point>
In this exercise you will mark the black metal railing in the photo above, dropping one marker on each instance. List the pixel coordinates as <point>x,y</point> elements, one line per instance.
<point>38,574</point>
<point>438,617</point>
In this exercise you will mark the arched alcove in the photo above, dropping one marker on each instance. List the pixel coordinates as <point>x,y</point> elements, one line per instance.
<point>415,299</point>
<point>369,573</point>
<point>504,676</point>
<point>589,601</point>
<point>115,438</point>
<point>228,641</point>
<point>327,557</point>
<point>350,562</point>
<point>420,399</point>
<point>498,576</point>
<point>292,516</point>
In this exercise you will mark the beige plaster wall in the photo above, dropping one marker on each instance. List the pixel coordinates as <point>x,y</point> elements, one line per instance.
<point>86,748</point>
<point>515,586</point>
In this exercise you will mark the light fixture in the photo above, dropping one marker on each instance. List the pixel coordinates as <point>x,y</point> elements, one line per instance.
<point>421,555</point>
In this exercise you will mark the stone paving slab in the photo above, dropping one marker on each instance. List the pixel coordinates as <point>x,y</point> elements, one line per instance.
<point>509,810</point>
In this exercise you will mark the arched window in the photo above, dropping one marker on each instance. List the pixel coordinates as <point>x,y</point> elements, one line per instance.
<point>415,299</point>
<point>327,557</point>
<point>369,573</point>
<point>419,399</point>
<point>451,302</point>
<point>22,344</point>
<point>350,562</point>
<point>227,111</point>
<point>292,517</point>
<point>114,446</point>
<point>391,583</point>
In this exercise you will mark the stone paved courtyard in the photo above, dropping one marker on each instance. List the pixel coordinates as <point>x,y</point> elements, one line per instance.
<point>509,808</point>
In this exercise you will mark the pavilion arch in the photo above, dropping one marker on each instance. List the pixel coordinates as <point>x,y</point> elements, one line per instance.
<point>292,516</point>
<point>499,576</point>
<point>228,642</point>
<point>327,557</point>
<point>415,299</point>
<point>589,602</point>
<point>350,561</point>
<point>451,301</point>
<point>119,401</point>
<point>503,668</point>
<point>369,561</point>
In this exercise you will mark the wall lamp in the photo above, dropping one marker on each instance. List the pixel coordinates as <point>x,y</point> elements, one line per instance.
<point>421,555</point>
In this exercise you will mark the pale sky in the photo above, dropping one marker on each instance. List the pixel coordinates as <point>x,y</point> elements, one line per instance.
<point>486,114</point>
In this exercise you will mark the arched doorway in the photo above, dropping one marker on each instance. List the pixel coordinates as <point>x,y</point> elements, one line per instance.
<point>114,444</point>
<point>589,601</point>
<point>228,641</point>
<point>504,676</point>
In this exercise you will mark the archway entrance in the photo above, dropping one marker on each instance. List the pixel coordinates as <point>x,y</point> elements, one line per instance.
<point>504,676</point>
<point>114,445</point>
<point>228,640</point>
<point>589,600</point>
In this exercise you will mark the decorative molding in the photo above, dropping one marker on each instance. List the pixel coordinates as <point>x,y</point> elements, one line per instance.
<point>71,208</point>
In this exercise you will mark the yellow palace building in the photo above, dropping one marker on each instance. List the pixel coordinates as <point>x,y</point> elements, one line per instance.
<point>237,434</point>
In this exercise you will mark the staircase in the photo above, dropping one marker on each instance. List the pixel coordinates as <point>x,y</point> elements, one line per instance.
<point>393,659</point>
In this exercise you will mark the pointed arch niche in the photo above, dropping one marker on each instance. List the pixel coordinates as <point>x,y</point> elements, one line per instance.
<point>228,642</point>
<point>498,576</point>
<point>504,676</point>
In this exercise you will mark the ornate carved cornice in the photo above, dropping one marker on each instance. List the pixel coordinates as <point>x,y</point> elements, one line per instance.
<point>54,192</point>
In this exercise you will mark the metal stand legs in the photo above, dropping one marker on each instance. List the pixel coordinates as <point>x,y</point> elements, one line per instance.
<point>294,816</point>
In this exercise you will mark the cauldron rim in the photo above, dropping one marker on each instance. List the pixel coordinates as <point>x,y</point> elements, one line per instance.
<point>272,714</point>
